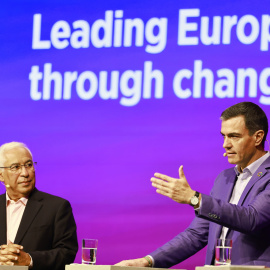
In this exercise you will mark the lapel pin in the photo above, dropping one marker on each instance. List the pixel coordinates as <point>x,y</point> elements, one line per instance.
<point>259,174</point>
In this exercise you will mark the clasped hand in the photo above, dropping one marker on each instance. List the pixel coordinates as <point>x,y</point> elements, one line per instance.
<point>13,254</point>
<point>177,189</point>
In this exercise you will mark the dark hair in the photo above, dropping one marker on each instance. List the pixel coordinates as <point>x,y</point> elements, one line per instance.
<point>255,118</point>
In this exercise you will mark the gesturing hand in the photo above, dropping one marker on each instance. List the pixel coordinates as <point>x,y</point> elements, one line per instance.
<point>174,188</point>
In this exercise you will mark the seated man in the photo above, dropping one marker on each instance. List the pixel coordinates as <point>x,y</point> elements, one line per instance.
<point>36,229</point>
<point>239,205</point>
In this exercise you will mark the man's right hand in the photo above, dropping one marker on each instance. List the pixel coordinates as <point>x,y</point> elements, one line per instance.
<point>142,262</point>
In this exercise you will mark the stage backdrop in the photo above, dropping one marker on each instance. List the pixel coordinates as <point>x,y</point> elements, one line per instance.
<point>106,93</point>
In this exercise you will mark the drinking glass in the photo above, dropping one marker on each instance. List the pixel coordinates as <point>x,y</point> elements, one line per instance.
<point>89,251</point>
<point>223,252</point>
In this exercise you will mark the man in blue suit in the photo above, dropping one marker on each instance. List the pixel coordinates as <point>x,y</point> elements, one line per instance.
<point>239,205</point>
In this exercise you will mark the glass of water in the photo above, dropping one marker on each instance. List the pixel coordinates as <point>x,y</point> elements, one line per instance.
<point>223,252</point>
<point>89,251</point>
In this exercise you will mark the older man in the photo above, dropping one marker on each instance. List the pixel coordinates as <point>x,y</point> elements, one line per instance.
<point>36,229</point>
<point>239,205</point>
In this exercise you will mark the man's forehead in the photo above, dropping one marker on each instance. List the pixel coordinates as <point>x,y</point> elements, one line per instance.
<point>234,124</point>
<point>18,154</point>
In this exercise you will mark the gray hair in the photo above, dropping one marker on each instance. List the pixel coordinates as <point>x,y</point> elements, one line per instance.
<point>8,146</point>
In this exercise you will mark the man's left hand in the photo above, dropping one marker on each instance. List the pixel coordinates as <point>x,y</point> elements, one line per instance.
<point>174,188</point>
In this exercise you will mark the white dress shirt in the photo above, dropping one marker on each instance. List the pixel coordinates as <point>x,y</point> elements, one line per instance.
<point>14,216</point>
<point>15,212</point>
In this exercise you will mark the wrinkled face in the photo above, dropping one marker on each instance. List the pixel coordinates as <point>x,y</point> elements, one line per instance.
<point>239,145</point>
<point>20,183</point>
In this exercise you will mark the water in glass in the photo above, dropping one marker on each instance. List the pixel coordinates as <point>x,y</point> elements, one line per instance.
<point>89,255</point>
<point>223,255</point>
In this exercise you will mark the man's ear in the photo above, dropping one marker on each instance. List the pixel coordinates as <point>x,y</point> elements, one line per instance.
<point>1,175</point>
<point>259,135</point>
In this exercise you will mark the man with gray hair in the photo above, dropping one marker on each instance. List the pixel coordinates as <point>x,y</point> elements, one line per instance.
<point>36,229</point>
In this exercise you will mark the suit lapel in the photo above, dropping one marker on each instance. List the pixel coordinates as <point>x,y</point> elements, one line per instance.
<point>259,174</point>
<point>3,220</point>
<point>32,208</point>
<point>227,191</point>
<point>225,195</point>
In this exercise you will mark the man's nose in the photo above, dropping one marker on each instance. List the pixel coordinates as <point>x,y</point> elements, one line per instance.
<point>24,171</point>
<point>227,143</point>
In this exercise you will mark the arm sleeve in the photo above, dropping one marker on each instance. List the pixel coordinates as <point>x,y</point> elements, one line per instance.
<point>250,218</point>
<point>182,246</point>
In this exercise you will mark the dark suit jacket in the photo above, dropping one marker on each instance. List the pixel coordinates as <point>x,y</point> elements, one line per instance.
<point>248,223</point>
<point>47,231</point>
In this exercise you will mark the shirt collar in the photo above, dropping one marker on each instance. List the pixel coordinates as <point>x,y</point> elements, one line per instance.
<point>252,168</point>
<point>22,200</point>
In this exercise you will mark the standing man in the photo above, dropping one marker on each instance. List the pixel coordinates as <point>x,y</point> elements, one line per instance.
<point>36,229</point>
<point>239,205</point>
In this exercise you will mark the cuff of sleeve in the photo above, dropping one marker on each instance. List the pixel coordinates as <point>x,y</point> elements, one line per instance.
<point>151,259</point>
<point>199,207</point>
<point>31,262</point>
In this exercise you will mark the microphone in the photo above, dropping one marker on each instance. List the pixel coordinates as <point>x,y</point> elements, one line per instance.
<point>225,155</point>
<point>7,186</point>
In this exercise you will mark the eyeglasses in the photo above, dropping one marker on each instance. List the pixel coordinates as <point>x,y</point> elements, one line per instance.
<point>17,168</point>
